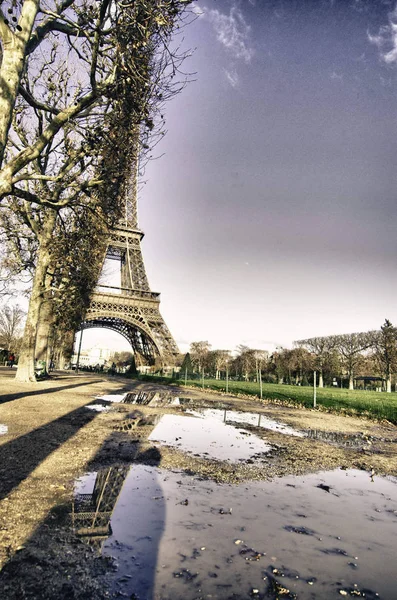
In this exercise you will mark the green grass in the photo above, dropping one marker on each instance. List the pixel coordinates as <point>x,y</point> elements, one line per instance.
<point>374,404</point>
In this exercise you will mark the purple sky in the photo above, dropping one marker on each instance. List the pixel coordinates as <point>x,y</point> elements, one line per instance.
<point>271,216</point>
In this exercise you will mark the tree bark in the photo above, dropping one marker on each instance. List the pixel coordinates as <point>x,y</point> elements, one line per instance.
<point>388,384</point>
<point>27,359</point>
<point>351,381</point>
<point>43,332</point>
<point>12,64</point>
<point>320,379</point>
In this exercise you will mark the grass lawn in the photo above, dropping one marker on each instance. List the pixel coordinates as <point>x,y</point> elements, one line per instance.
<point>378,404</point>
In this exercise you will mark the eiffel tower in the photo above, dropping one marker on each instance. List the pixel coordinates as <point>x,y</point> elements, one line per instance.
<point>91,513</point>
<point>132,309</point>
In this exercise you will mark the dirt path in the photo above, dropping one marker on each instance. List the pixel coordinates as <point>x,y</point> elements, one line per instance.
<point>52,439</point>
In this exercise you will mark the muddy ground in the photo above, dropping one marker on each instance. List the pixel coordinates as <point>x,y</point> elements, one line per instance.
<point>53,438</point>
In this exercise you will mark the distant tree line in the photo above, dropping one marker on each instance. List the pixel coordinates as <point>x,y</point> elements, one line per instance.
<point>347,360</point>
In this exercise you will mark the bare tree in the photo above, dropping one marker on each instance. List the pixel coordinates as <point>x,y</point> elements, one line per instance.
<point>302,363</point>
<point>280,364</point>
<point>351,346</point>
<point>219,360</point>
<point>11,319</point>
<point>385,345</point>
<point>321,347</point>
<point>18,248</point>
<point>70,85</point>
<point>199,352</point>
<point>245,362</point>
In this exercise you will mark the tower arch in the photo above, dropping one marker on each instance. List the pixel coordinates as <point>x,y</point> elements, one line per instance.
<point>131,309</point>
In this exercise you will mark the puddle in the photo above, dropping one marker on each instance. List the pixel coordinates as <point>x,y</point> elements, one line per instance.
<point>3,429</point>
<point>143,398</point>
<point>98,407</point>
<point>247,418</point>
<point>112,397</point>
<point>173,536</point>
<point>207,437</point>
<point>184,401</point>
<point>94,501</point>
<point>139,397</point>
<point>152,398</point>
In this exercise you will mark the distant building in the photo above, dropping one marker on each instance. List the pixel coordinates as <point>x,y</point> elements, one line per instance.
<point>93,356</point>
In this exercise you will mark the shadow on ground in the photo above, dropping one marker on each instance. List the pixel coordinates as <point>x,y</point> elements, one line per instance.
<point>62,559</point>
<point>5,397</point>
<point>19,457</point>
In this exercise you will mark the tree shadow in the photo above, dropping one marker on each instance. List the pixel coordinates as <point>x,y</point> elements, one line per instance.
<point>105,541</point>
<point>20,456</point>
<point>4,397</point>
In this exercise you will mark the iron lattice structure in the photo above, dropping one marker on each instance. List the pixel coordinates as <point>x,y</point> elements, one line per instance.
<point>133,309</point>
<point>91,513</point>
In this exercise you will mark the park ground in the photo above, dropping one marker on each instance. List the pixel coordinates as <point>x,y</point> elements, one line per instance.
<point>53,438</point>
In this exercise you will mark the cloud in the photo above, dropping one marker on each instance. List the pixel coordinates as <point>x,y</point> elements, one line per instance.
<point>386,39</point>
<point>261,344</point>
<point>232,77</point>
<point>232,31</point>
<point>198,11</point>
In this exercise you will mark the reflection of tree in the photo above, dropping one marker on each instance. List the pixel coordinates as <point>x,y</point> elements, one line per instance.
<point>91,513</point>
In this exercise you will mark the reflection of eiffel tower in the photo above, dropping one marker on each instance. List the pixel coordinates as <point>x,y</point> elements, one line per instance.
<point>132,309</point>
<point>91,513</point>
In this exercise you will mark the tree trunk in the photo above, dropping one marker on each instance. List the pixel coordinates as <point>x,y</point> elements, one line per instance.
<point>65,351</point>
<point>12,64</point>
<point>50,348</point>
<point>351,381</point>
<point>27,358</point>
<point>43,333</point>
<point>388,384</point>
<point>320,379</point>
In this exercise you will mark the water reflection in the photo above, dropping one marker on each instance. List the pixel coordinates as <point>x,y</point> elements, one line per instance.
<point>155,398</point>
<point>121,510</point>
<point>139,397</point>
<point>92,510</point>
<point>111,397</point>
<point>98,407</point>
<point>175,536</point>
<point>248,418</point>
<point>207,437</point>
